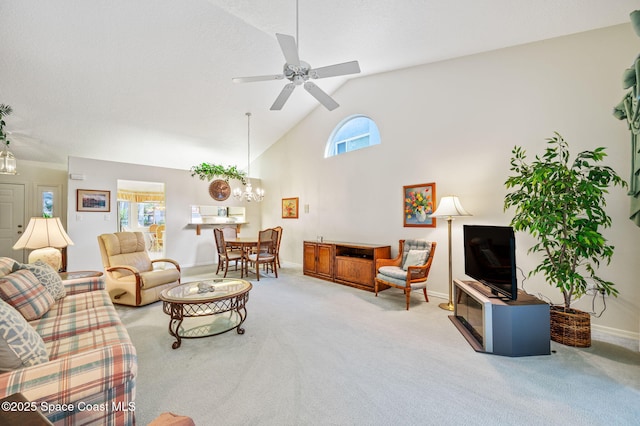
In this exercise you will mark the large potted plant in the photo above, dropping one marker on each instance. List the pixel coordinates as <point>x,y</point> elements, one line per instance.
<point>562,204</point>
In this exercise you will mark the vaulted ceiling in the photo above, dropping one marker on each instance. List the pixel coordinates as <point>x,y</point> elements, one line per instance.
<point>150,81</point>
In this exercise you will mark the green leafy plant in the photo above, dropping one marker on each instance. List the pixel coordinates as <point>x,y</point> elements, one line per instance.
<point>562,205</point>
<point>208,171</point>
<point>4,111</point>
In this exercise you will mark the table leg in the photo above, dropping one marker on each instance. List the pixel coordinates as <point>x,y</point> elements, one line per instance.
<point>175,322</point>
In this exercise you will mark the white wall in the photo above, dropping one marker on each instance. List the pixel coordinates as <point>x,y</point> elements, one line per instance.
<point>455,123</point>
<point>181,191</point>
<point>33,175</point>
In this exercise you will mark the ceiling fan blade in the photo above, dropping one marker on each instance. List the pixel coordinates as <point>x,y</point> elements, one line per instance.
<point>258,78</point>
<point>321,96</point>
<point>287,90</point>
<point>335,70</point>
<point>289,49</point>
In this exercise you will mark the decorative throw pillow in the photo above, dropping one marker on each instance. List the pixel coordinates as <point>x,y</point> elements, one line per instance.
<point>22,290</point>
<point>7,266</point>
<point>415,258</point>
<point>47,276</point>
<point>20,345</point>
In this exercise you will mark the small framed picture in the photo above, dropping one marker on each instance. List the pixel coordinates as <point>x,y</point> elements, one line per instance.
<point>419,202</point>
<point>290,208</point>
<point>90,200</point>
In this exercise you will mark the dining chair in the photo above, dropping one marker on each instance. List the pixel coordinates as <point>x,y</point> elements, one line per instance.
<point>264,253</point>
<point>160,237</point>
<point>275,247</point>
<point>279,231</point>
<point>226,256</point>
<point>151,234</point>
<point>231,232</point>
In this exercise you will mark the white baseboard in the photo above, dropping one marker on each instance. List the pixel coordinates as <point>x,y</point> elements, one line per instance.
<point>626,339</point>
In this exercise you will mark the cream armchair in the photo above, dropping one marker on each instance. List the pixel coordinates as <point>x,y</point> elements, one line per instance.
<point>129,272</point>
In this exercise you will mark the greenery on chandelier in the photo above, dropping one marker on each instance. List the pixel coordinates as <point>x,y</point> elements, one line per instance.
<point>209,171</point>
<point>4,111</point>
<point>561,204</point>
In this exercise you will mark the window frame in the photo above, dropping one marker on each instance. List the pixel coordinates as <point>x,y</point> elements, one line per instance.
<point>332,146</point>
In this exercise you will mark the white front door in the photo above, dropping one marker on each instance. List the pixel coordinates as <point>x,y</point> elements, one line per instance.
<point>11,219</point>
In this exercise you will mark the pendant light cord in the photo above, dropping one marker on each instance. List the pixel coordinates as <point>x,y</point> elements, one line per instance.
<point>248,114</point>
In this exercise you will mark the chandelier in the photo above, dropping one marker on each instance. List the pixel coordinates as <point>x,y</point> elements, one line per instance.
<point>248,195</point>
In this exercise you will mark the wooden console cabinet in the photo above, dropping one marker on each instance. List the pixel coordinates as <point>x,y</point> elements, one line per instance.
<point>351,264</point>
<point>318,260</point>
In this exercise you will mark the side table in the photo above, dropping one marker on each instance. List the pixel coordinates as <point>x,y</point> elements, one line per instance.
<point>79,274</point>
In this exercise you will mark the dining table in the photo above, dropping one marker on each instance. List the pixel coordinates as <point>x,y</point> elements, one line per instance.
<point>245,243</point>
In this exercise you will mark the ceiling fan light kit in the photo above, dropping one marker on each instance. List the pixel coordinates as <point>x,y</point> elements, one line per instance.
<point>299,72</point>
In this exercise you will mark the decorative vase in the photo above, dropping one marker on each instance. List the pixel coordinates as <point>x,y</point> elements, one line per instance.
<point>570,327</point>
<point>421,215</point>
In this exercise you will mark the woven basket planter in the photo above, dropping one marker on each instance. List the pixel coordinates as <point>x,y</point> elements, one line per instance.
<point>570,327</point>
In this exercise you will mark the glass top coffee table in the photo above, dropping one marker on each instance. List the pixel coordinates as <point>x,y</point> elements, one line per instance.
<point>222,301</point>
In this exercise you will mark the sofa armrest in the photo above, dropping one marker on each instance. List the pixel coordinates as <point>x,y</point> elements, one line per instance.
<point>73,379</point>
<point>83,285</point>
<point>173,262</point>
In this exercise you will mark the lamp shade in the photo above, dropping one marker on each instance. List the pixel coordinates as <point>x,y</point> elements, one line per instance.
<point>449,207</point>
<point>43,232</point>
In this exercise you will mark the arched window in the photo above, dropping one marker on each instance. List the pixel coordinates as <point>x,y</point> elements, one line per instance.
<point>354,132</point>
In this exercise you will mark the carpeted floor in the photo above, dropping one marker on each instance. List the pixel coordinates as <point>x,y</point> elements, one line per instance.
<point>319,353</point>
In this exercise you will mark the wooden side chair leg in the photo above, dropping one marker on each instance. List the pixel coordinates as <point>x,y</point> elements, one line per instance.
<point>424,290</point>
<point>407,292</point>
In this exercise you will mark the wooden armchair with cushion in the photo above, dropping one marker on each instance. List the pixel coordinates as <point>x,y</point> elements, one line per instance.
<point>129,272</point>
<point>409,270</point>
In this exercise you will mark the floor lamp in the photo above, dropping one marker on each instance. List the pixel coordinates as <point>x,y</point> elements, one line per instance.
<point>449,207</point>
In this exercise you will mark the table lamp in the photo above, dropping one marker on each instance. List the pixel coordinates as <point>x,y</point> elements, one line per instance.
<point>449,207</point>
<point>45,236</point>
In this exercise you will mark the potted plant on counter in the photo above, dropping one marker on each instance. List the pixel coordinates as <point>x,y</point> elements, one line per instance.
<point>562,204</point>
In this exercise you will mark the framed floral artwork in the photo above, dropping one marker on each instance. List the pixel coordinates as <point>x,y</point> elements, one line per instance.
<point>419,202</point>
<point>290,208</point>
<point>89,200</point>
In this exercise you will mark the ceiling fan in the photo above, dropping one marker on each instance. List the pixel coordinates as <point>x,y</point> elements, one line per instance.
<point>299,73</point>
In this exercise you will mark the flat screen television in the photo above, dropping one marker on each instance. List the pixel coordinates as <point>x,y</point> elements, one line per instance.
<point>490,258</point>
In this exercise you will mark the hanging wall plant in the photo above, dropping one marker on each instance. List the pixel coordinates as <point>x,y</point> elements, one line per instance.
<point>209,171</point>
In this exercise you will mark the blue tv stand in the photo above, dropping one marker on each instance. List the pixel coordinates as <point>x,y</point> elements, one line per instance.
<point>501,327</point>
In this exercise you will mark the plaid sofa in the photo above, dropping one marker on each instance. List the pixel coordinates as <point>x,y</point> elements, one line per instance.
<point>92,367</point>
